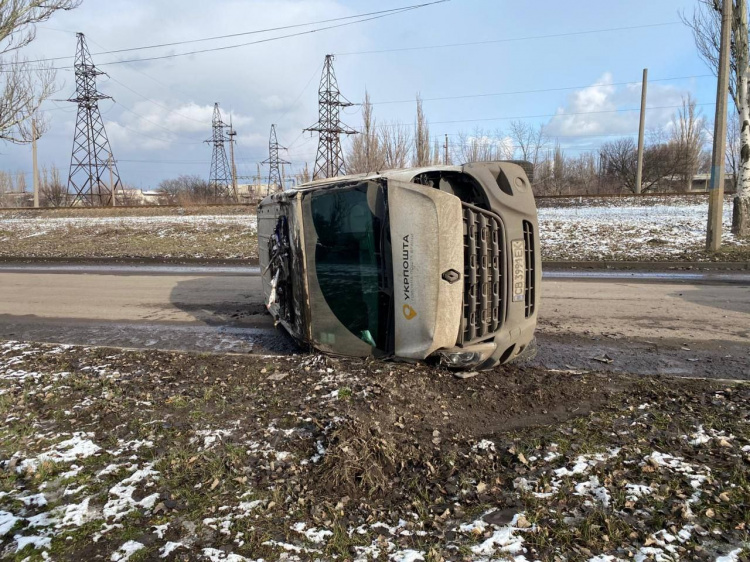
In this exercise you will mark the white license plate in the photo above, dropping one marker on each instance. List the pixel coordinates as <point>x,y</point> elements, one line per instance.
<point>519,270</point>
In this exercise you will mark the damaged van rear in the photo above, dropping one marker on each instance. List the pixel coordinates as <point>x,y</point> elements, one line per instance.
<point>440,262</point>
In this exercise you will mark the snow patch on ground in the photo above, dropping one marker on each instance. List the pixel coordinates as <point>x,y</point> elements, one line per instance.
<point>627,228</point>
<point>126,551</point>
<point>79,446</point>
<point>123,502</point>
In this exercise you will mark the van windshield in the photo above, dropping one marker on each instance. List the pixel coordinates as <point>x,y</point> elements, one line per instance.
<point>353,259</point>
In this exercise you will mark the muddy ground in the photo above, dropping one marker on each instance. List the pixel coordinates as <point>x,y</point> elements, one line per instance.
<point>149,233</point>
<point>117,455</point>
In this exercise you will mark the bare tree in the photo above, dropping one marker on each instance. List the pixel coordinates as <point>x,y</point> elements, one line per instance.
<point>25,85</point>
<point>186,190</point>
<point>688,136</point>
<point>732,161</point>
<point>54,193</point>
<point>421,137</point>
<point>706,25</point>
<point>528,140</point>
<point>559,170</point>
<point>661,162</point>
<point>582,173</point>
<point>365,154</point>
<point>437,153</point>
<point>475,147</point>
<point>483,146</point>
<point>304,175</point>
<point>395,140</point>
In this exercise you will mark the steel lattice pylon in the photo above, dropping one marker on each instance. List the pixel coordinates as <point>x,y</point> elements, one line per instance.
<point>93,178</point>
<point>274,162</point>
<point>329,162</point>
<point>220,179</point>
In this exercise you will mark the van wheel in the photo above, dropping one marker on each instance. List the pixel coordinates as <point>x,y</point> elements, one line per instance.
<point>528,354</point>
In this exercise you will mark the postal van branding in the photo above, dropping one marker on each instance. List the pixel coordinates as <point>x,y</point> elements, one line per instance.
<point>406,266</point>
<point>409,312</point>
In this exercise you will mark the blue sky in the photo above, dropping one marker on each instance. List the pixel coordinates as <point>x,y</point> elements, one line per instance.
<point>277,82</point>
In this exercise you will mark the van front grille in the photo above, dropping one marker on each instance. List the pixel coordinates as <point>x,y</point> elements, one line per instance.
<point>484,274</point>
<point>528,239</point>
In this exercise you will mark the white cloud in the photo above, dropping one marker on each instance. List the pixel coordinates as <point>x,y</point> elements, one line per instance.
<point>597,109</point>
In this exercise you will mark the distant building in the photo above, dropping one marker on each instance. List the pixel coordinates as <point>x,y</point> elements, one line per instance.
<point>701,182</point>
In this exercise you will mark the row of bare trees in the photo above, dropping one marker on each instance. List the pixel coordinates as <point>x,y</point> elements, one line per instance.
<point>673,155</point>
<point>186,190</point>
<point>53,190</point>
<point>388,146</point>
<point>385,146</point>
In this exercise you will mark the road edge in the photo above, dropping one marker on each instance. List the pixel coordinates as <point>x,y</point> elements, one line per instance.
<point>552,265</point>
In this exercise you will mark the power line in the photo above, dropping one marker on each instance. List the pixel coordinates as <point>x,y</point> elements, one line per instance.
<point>510,40</point>
<point>157,103</point>
<point>131,67</point>
<point>252,32</point>
<point>201,162</point>
<point>542,90</point>
<point>267,40</point>
<point>540,116</point>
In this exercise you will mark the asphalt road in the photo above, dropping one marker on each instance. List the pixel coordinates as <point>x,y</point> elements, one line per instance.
<point>683,324</point>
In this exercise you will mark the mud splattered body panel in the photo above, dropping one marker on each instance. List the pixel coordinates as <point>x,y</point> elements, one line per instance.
<point>439,261</point>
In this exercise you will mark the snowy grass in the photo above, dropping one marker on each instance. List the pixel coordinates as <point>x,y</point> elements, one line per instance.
<point>168,236</point>
<point>632,229</point>
<point>120,455</point>
<point>578,229</point>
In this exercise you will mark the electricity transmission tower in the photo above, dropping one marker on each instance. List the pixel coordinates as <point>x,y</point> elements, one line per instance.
<point>93,178</point>
<point>273,161</point>
<point>220,180</point>
<point>330,160</point>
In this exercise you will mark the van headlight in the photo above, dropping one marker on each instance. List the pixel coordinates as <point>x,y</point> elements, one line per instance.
<point>458,358</point>
<point>461,359</point>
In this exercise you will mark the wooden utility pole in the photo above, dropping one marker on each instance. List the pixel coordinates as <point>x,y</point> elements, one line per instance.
<point>232,134</point>
<point>716,187</point>
<point>641,134</point>
<point>111,182</point>
<point>35,168</point>
<point>445,146</point>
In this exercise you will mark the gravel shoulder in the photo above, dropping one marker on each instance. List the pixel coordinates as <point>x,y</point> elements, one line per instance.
<point>117,455</point>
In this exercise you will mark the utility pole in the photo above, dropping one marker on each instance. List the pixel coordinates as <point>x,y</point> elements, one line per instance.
<point>35,168</point>
<point>232,133</point>
<point>716,187</point>
<point>220,177</point>
<point>641,134</point>
<point>329,161</point>
<point>91,149</point>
